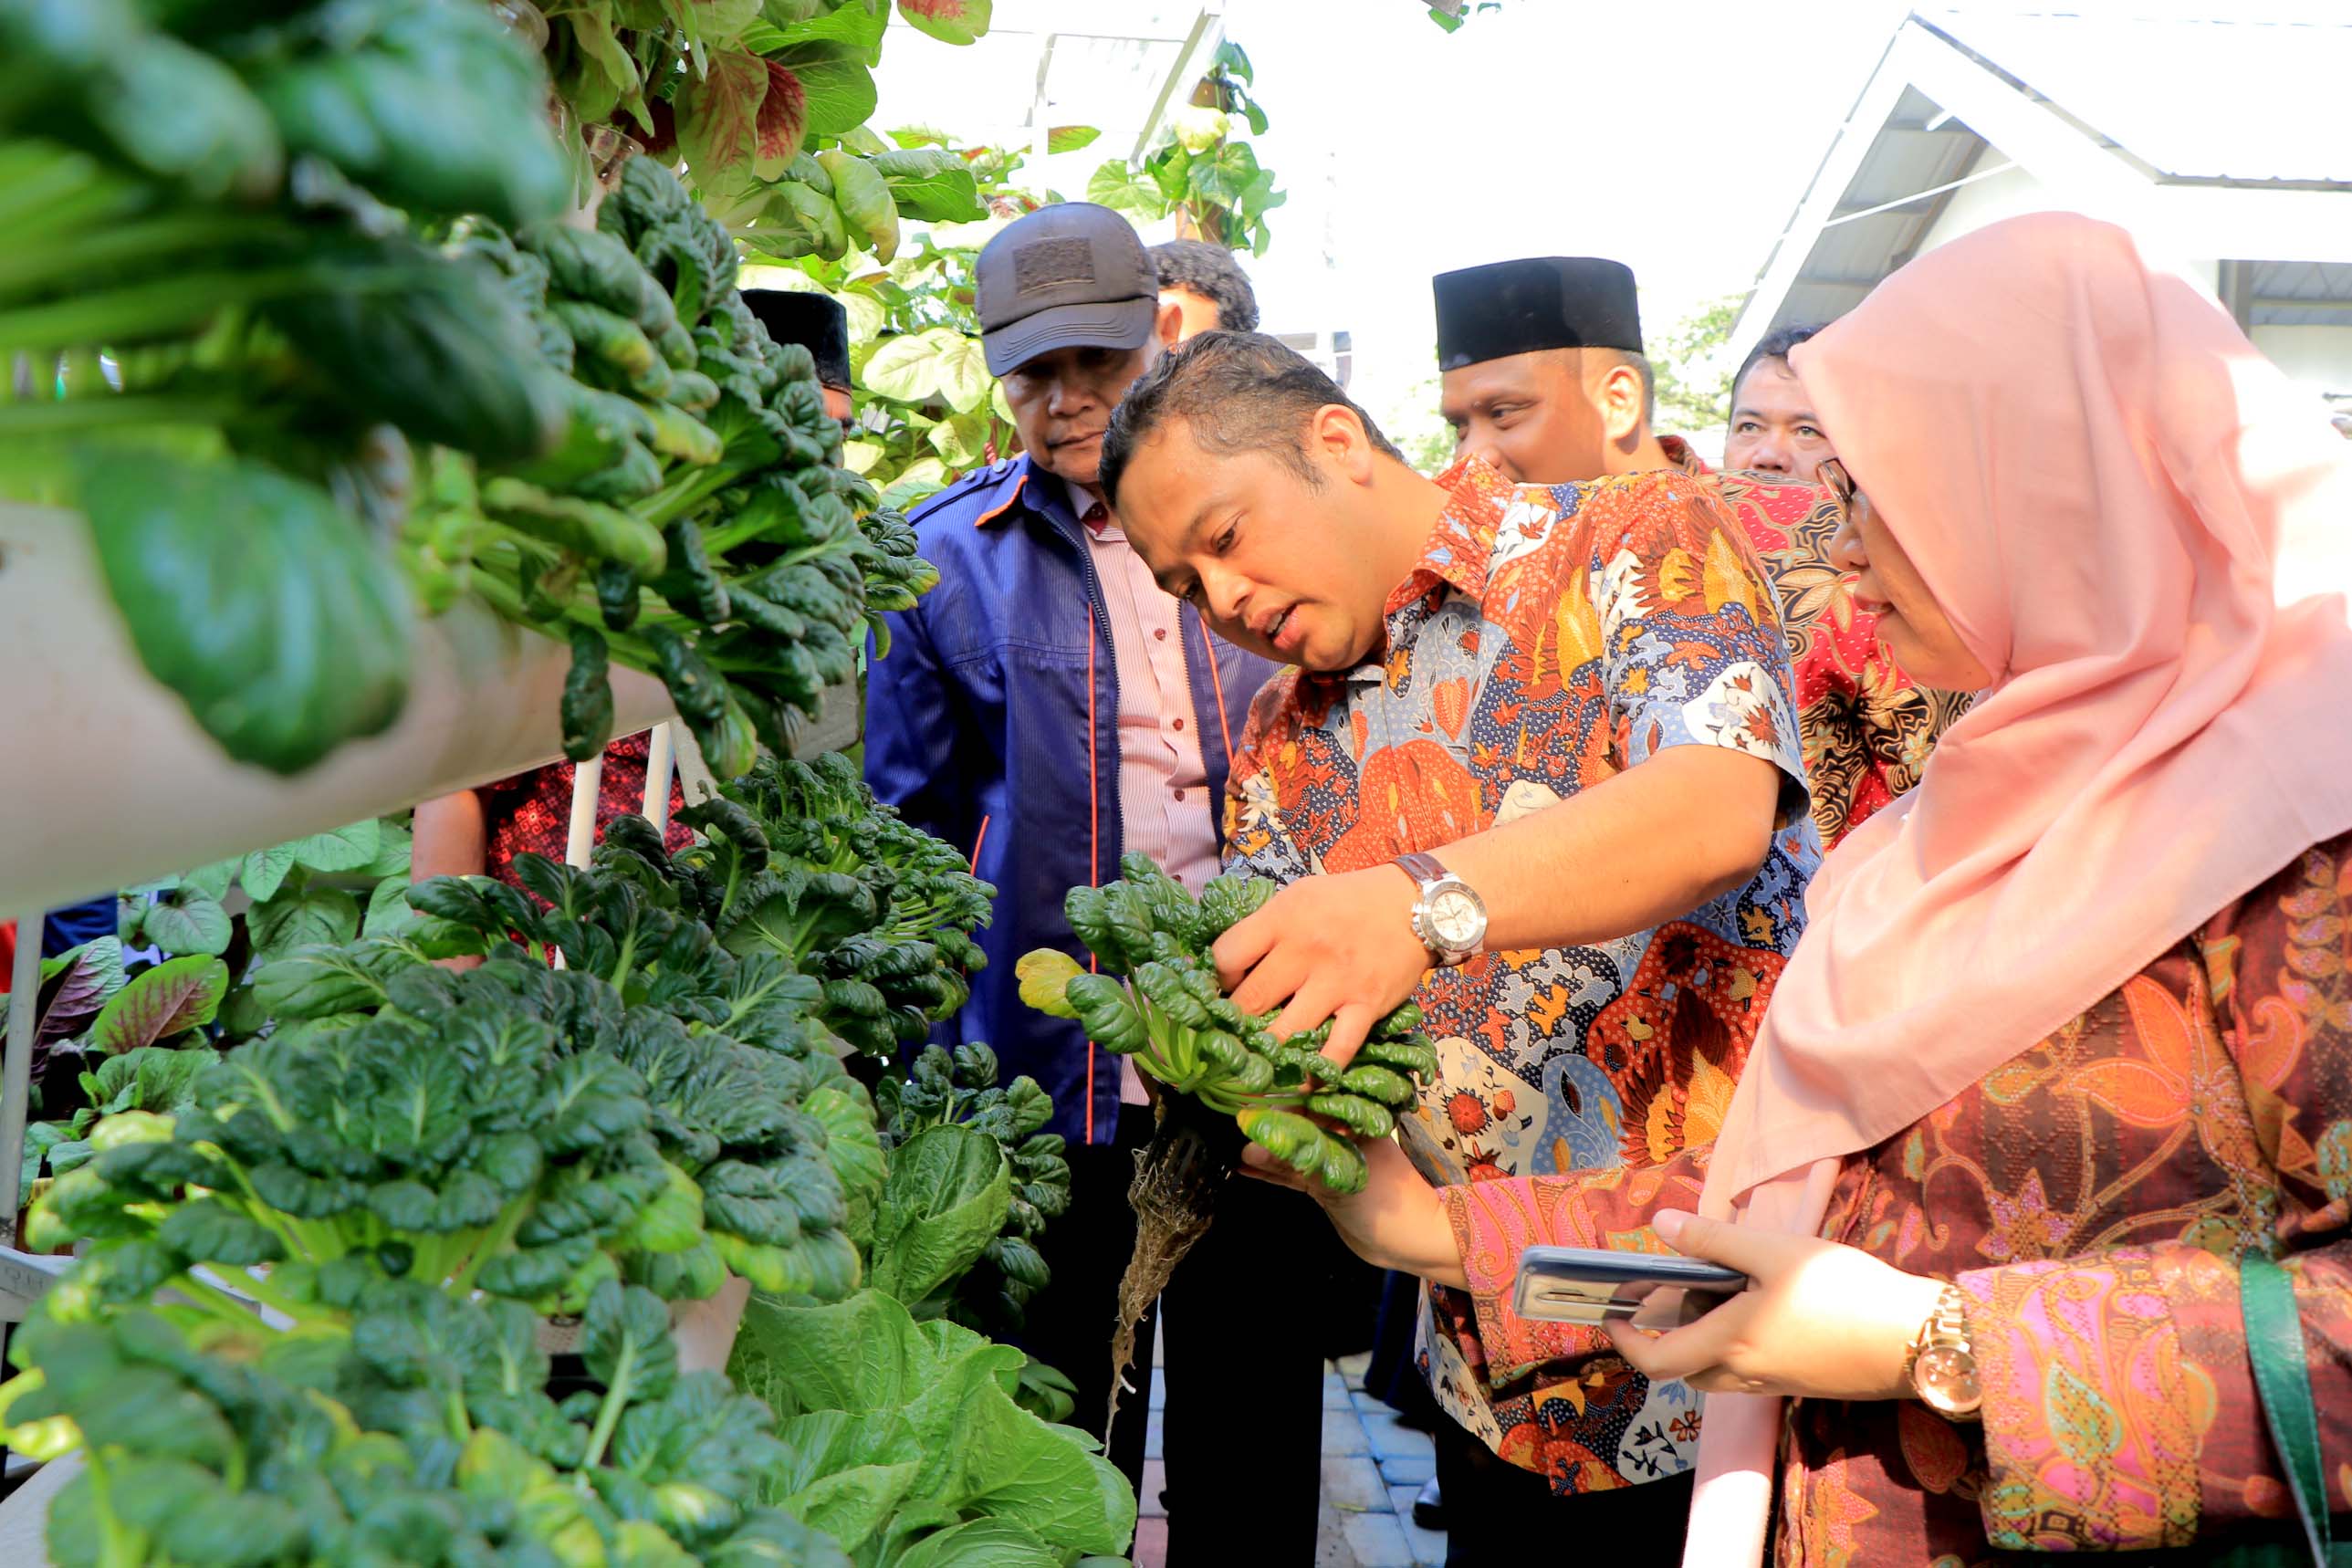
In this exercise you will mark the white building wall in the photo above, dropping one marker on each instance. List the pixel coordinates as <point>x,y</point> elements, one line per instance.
<point>2320,357</point>
<point>2012,193</point>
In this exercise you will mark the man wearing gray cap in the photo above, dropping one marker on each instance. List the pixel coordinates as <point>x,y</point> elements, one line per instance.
<point>1048,708</point>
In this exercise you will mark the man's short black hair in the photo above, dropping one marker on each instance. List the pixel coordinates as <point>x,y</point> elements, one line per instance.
<point>1210,271</point>
<point>1774,345</point>
<point>1239,392</point>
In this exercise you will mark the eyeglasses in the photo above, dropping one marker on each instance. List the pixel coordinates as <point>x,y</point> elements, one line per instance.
<point>1837,481</point>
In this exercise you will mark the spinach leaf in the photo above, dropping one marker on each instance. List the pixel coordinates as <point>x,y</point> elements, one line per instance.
<point>945,1200</point>
<point>286,634</point>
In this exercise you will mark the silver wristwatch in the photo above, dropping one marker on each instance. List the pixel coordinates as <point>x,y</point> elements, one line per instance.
<point>1449,917</point>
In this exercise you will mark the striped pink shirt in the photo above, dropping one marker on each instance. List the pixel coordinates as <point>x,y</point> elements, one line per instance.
<point>1164,807</point>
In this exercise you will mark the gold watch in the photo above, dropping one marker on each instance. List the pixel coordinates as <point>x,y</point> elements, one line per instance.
<point>1942,1365</point>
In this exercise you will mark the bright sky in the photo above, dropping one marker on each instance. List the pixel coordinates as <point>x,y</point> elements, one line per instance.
<point>1676,135</point>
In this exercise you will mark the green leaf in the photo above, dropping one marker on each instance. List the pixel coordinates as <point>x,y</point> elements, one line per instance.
<point>931,184</point>
<point>265,871</point>
<point>852,1147</point>
<point>213,880</point>
<point>1122,189</point>
<point>1003,1462</point>
<point>907,368</point>
<point>624,1340</point>
<point>964,380</point>
<point>672,1221</point>
<point>209,1230</point>
<point>1070,137</point>
<point>153,1077</point>
<point>388,909</point>
<point>844,1473</point>
<point>285,636</point>
<point>862,1354</point>
<point>185,922</point>
<point>343,849</point>
<point>313,914</point>
<point>980,1543</point>
<point>868,210</point>
<point>921,136</point>
<point>718,115</point>
<point>836,89</point>
<point>798,220</point>
<point>180,995</point>
<point>319,982</point>
<point>597,48</point>
<point>857,23</point>
<point>962,441</point>
<point>944,1201</point>
<point>867,315</point>
<point>949,21</point>
<point>39,1139</point>
<point>392,850</point>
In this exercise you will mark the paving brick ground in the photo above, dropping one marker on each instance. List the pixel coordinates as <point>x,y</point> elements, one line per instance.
<point>1372,1469</point>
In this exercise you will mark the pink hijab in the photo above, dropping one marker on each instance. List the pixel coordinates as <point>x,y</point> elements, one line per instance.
<point>2102,483</point>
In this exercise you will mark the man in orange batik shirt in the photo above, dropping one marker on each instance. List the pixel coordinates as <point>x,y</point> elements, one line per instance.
<point>1567,709</point>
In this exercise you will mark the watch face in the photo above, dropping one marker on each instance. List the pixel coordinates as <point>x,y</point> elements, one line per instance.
<point>1945,1378</point>
<point>1456,919</point>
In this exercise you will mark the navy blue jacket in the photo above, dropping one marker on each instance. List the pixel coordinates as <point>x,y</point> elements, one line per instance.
<point>993,724</point>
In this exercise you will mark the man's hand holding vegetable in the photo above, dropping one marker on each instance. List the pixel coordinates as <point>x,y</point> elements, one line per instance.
<point>1624,856</point>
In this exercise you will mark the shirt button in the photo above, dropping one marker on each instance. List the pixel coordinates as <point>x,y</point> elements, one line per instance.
<point>1180,794</point>
<point>1180,724</point>
<point>1159,632</point>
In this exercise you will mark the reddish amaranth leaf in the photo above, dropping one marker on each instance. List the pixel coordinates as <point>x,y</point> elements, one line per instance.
<point>718,115</point>
<point>952,21</point>
<point>783,115</point>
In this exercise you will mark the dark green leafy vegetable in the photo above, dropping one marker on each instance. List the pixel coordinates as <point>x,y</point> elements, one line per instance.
<point>304,639</point>
<point>1157,1002</point>
<point>940,1089</point>
<point>206,204</point>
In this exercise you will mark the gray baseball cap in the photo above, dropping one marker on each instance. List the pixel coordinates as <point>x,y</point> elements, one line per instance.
<point>1067,275</point>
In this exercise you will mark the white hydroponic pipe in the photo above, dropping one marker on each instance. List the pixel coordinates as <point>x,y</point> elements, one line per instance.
<point>107,782</point>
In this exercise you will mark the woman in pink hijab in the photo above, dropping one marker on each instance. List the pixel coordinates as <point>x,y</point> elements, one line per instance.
<point>2070,1032</point>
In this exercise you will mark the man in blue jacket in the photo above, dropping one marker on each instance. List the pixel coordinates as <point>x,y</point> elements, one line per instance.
<point>1047,709</point>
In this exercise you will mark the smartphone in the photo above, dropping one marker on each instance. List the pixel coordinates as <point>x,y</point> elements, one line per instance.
<point>1585,1285</point>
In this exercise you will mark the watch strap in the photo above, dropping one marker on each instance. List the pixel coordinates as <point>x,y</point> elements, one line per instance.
<point>1423,868</point>
<point>1947,1328</point>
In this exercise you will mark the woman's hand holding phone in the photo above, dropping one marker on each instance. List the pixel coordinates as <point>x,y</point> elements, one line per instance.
<point>1818,1321</point>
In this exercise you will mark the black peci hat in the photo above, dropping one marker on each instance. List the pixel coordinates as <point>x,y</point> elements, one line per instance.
<point>1543,302</point>
<point>816,321</point>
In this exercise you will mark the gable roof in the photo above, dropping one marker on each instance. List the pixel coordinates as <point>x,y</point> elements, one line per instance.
<point>2196,134</point>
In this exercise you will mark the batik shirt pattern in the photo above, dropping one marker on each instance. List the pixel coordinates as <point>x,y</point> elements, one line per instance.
<point>1865,728</point>
<point>2091,1198</point>
<point>1550,638</point>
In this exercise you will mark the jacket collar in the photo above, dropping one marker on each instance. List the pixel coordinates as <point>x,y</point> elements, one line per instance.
<point>1009,491</point>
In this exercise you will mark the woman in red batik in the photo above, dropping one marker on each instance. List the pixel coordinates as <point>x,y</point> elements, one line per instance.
<point>2069,1033</point>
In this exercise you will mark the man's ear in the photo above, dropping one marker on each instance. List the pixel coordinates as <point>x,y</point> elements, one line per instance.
<point>1617,394</point>
<point>1339,435</point>
<point>1168,325</point>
